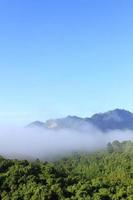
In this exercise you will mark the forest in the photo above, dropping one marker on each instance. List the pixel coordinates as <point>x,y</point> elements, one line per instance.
<point>103,175</point>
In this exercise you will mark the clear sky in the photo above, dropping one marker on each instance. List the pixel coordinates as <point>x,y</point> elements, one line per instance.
<point>64,57</point>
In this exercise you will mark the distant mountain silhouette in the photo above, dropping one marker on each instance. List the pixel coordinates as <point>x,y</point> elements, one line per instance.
<point>112,120</point>
<point>36,124</point>
<point>116,119</point>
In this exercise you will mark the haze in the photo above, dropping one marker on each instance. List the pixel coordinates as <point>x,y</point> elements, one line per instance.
<point>27,143</point>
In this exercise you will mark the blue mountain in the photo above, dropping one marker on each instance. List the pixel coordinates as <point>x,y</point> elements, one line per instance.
<point>111,120</point>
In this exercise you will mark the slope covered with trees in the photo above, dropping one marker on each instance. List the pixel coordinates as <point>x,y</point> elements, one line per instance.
<point>101,175</point>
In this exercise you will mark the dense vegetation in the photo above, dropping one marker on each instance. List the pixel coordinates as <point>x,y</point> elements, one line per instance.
<point>101,175</point>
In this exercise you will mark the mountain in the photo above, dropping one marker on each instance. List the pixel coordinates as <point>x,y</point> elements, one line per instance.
<point>70,122</point>
<point>36,124</point>
<point>111,120</point>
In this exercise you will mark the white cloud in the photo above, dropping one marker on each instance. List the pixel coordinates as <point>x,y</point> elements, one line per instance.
<point>42,144</point>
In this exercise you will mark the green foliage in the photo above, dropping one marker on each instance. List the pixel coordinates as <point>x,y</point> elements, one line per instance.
<point>105,175</point>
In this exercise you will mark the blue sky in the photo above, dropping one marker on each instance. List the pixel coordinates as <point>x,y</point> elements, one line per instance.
<point>58,58</point>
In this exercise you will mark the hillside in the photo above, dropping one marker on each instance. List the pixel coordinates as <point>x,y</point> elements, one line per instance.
<point>105,175</point>
<point>111,120</point>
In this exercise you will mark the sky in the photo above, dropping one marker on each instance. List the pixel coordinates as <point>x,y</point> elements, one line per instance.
<point>59,58</point>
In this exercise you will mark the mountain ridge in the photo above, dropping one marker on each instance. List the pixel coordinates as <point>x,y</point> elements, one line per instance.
<point>111,120</point>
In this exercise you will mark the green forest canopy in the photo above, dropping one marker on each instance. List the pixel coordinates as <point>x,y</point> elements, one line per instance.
<point>104,175</point>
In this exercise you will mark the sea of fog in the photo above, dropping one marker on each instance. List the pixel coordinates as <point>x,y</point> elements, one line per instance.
<point>36,143</point>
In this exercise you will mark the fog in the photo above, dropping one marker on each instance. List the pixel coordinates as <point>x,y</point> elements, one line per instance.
<point>33,143</point>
